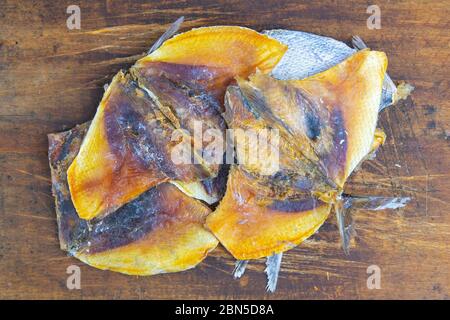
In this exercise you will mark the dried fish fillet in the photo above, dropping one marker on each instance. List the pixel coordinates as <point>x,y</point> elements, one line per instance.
<point>327,126</point>
<point>160,231</point>
<point>128,150</point>
<point>182,82</point>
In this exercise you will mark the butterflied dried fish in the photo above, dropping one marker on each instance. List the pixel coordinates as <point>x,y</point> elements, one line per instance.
<point>128,149</point>
<point>160,231</point>
<point>327,126</point>
<point>183,82</point>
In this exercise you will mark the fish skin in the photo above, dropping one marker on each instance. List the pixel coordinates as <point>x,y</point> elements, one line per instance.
<point>309,54</point>
<point>160,231</point>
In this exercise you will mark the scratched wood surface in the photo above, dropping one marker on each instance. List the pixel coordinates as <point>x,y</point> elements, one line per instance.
<point>51,79</point>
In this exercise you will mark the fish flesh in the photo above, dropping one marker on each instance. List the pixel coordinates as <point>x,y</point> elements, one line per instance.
<point>211,57</point>
<point>254,220</point>
<point>128,149</point>
<point>182,82</point>
<point>327,122</point>
<point>160,231</point>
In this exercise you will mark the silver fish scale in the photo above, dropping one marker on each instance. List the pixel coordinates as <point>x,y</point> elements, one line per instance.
<point>309,54</point>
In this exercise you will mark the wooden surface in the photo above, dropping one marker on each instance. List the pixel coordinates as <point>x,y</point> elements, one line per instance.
<point>51,78</point>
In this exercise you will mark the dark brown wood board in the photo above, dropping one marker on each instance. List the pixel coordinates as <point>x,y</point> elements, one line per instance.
<point>51,78</point>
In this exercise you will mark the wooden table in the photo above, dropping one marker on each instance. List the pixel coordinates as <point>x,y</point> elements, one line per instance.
<point>51,79</point>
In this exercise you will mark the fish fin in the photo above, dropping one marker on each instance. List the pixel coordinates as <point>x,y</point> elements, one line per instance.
<point>197,190</point>
<point>375,203</point>
<point>273,264</point>
<point>345,223</point>
<point>239,268</point>
<point>358,43</point>
<point>389,91</point>
<point>344,215</point>
<point>173,29</point>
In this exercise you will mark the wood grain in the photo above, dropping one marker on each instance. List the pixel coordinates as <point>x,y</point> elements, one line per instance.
<point>51,78</point>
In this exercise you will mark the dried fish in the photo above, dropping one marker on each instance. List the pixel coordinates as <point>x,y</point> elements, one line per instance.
<point>160,231</point>
<point>128,149</point>
<point>123,204</point>
<point>265,214</point>
<point>181,82</point>
<point>253,220</point>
